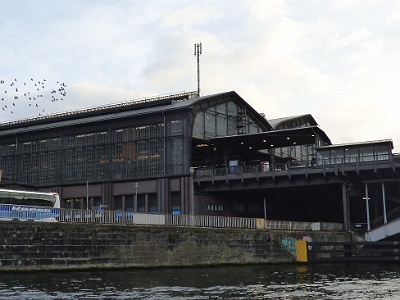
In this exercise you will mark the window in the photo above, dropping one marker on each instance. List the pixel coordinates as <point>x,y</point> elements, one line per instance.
<point>239,207</point>
<point>138,151</point>
<point>222,125</point>
<point>176,155</point>
<point>210,124</point>
<point>198,127</point>
<point>219,207</point>
<point>118,203</point>
<point>351,155</point>
<point>337,156</point>
<point>153,204</point>
<point>176,203</point>
<point>366,154</point>
<point>323,158</point>
<point>254,208</point>
<point>141,205</point>
<point>381,153</point>
<point>176,127</point>
<point>129,201</point>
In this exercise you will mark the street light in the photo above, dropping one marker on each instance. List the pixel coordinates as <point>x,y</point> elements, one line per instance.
<point>87,194</point>
<point>192,191</point>
<point>366,198</point>
<point>136,199</point>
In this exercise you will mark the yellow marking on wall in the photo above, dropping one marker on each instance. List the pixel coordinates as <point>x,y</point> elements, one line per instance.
<point>301,251</point>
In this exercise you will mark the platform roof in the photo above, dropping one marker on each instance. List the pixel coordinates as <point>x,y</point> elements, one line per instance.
<point>358,144</point>
<point>275,123</point>
<point>271,139</point>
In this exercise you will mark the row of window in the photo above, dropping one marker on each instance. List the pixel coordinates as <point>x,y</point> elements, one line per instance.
<point>295,124</point>
<point>148,204</point>
<point>137,133</point>
<point>237,207</point>
<point>89,157</point>
<point>353,155</point>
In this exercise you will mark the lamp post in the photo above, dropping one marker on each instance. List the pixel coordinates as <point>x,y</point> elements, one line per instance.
<point>192,194</point>
<point>366,198</point>
<point>192,191</point>
<point>87,195</point>
<point>136,199</point>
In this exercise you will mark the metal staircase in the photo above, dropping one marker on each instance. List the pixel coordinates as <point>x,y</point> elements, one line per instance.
<point>384,227</point>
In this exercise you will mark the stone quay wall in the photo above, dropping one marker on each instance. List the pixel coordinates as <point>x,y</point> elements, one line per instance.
<point>36,246</point>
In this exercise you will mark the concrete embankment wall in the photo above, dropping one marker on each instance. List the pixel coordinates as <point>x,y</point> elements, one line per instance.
<point>29,246</point>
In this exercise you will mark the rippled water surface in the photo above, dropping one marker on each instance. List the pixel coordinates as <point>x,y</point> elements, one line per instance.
<point>233,282</point>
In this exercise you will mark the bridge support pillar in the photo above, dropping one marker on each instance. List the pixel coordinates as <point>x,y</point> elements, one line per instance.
<point>384,203</point>
<point>346,208</point>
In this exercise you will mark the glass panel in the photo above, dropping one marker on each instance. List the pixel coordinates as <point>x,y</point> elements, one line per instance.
<point>381,152</point>
<point>198,129</point>
<point>176,155</point>
<point>153,204</point>
<point>323,158</point>
<point>221,109</point>
<point>118,203</point>
<point>337,156</point>
<point>210,124</point>
<point>253,128</point>
<point>96,202</point>
<point>129,202</point>
<point>232,126</point>
<point>366,153</point>
<point>176,127</point>
<point>351,155</point>
<point>176,203</point>
<point>222,128</point>
<point>232,109</point>
<point>141,204</point>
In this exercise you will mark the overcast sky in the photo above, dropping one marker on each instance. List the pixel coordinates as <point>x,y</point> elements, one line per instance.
<point>336,60</point>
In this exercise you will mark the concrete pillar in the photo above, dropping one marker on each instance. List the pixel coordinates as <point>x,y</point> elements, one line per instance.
<point>346,208</point>
<point>123,200</point>
<point>384,203</point>
<point>367,207</point>
<point>135,197</point>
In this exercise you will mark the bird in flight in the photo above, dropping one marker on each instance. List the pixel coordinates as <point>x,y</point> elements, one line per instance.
<point>21,92</point>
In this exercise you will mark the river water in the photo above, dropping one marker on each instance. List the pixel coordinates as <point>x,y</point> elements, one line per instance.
<point>335,281</point>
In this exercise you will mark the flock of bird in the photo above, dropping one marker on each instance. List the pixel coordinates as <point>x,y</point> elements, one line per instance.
<point>35,94</point>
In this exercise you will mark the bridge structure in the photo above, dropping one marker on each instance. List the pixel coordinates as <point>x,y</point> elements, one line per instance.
<point>360,190</point>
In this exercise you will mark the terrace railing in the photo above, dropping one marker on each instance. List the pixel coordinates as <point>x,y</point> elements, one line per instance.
<point>298,166</point>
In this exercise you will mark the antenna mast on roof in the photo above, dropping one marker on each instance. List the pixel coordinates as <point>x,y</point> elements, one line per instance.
<point>197,52</point>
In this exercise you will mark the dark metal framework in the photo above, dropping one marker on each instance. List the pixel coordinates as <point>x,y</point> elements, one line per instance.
<point>116,146</point>
<point>138,156</point>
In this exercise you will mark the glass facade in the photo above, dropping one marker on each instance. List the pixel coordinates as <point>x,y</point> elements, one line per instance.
<point>301,153</point>
<point>223,120</point>
<point>124,153</point>
<point>362,153</point>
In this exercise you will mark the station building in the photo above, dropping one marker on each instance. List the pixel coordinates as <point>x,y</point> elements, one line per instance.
<point>184,154</point>
<point>133,156</point>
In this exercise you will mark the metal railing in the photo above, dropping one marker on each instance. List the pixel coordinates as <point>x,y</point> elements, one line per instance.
<point>390,216</point>
<point>100,216</point>
<point>129,218</point>
<point>249,169</point>
<point>294,166</point>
